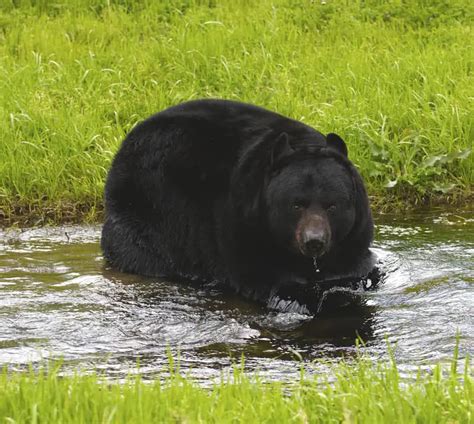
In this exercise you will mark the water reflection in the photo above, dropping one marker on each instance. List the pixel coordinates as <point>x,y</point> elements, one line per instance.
<point>56,299</point>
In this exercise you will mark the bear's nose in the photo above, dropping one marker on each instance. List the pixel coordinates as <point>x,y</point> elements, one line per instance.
<point>314,247</point>
<point>314,244</point>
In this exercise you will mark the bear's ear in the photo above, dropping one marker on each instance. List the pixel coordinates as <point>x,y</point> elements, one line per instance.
<point>281,148</point>
<point>337,143</point>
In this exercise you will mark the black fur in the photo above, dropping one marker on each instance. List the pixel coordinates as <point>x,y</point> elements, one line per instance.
<point>205,191</point>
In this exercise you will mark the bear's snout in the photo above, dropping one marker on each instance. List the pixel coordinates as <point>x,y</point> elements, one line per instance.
<point>313,235</point>
<point>314,243</point>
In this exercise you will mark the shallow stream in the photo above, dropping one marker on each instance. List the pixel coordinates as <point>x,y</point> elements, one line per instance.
<point>57,299</point>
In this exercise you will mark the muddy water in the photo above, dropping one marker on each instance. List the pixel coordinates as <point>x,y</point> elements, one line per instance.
<point>57,299</point>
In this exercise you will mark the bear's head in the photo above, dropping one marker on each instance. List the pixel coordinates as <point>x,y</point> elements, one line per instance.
<point>315,203</point>
<point>301,193</point>
<point>305,195</point>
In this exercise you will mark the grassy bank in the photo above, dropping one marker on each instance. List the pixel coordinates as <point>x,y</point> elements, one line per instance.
<point>360,393</point>
<point>393,78</point>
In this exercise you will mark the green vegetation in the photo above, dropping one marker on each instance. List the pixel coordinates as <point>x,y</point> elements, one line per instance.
<point>394,78</point>
<point>360,393</point>
<point>427,285</point>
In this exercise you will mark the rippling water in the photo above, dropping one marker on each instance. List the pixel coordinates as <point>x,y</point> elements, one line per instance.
<point>58,300</point>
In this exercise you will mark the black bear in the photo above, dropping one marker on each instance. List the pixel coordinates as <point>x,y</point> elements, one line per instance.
<point>221,191</point>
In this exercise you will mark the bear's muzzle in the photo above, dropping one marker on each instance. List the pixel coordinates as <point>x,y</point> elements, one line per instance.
<point>313,235</point>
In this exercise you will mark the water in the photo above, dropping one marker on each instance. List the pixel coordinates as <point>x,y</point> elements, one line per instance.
<point>58,300</point>
<point>315,263</point>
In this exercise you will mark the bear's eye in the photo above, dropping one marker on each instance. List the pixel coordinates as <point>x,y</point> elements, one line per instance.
<point>331,208</point>
<point>299,204</point>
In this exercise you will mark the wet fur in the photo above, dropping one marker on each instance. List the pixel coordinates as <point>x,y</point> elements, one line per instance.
<point>185,197</point>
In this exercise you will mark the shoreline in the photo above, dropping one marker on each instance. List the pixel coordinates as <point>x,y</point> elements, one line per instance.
<point>42,214</point>
<point>360,392</point>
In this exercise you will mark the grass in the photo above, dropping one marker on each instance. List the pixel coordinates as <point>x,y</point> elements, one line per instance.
<point>358,393</point>
<point>394,78</point>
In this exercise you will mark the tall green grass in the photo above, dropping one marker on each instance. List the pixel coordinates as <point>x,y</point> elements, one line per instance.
<point>394,78</point>
<point>358,393</point>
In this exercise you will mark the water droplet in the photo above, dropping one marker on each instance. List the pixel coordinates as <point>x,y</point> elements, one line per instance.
<point>315,263</point>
